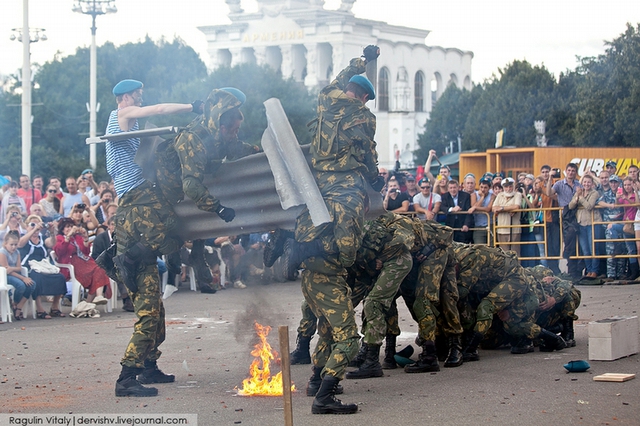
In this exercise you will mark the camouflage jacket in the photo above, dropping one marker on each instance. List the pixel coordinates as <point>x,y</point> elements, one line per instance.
<point>385,238</point>
<point>344,129</point>
<point>198,150</point>
<point>430,232</point>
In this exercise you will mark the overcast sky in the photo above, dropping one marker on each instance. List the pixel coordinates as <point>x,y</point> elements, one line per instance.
<point>549,32</point>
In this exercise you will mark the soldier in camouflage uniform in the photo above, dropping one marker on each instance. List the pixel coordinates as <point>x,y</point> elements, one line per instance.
<point>385,256</point>
<point>144,224</point>
<point>180,172</point>
<point>560,299</point>
<point>497,280</point>
<point>344,161</point>
<point>436,295</point>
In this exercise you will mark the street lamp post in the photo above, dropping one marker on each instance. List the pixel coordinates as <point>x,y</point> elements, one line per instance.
<point>26,36</point>
<point>93,8</point>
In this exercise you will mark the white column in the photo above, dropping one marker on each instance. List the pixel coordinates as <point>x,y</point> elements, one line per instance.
<point>287,61</point>
<point>311,80</point>
<point>261,54</point>
<point>236,55</point>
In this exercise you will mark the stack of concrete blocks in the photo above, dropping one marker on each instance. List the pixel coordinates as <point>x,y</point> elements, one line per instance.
<point>613,338</point>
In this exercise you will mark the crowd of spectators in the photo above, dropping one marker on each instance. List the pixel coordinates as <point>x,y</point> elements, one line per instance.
<point>76,224</point>
<point>523,214</point>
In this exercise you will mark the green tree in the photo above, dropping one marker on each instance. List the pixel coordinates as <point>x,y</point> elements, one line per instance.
<point>171,72</point>
<point>607,105</point>
<point>521,95</point>
<point>61,86</point>
<point>447,120</point>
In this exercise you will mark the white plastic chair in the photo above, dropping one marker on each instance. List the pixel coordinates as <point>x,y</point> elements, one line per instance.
<point>77,290</point>
<point>6,314</point>
<point>113,302</point>
<point>5,301</point>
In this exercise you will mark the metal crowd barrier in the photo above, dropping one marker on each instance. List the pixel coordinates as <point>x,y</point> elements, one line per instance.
<point>493,228</point>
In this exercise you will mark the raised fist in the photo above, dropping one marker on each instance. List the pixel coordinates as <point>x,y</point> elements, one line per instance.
<point>371,53</point>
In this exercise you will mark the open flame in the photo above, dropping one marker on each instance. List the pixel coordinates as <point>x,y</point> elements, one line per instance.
<point>260,381</point>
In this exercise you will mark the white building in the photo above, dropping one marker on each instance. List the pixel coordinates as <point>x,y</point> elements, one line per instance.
<point>311,44</point>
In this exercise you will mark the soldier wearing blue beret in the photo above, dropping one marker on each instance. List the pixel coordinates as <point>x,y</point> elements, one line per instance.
<point>144,223</point>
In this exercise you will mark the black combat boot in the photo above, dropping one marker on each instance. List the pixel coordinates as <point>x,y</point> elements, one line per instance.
<point>454,359</point>
<point>128,385</point>
<point>315,380</point>
<point>152,374</point>
<point>427,360</point>
<point>127,305</point>
<point>275,246</point>
<point>360,356</point>
<point>522,346</point>
<point>295,253</point>
<point>442,347</point>
<point>389,362</point>
<point>326,401</point>
<point>127,264</point>
<point>551,341</point>
<point>470,351</point>
<point>567,332</point>
<point>370,367</point>
<point>200,267</point>
<point>300,354</point>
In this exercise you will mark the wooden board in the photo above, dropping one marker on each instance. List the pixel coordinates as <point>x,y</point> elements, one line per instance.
<point>613,377</point>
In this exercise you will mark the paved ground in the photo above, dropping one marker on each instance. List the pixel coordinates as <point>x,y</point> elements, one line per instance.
<point>70,366</point>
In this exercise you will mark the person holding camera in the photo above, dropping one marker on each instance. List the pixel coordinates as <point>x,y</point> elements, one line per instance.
<point>72,198</point>
<point>395,201</point>
<point>11,198</point>
<point>72,247</point>
<point>551,217</point>
<point>13,222</point>
<point>100,209</point>
<point>35,246</point>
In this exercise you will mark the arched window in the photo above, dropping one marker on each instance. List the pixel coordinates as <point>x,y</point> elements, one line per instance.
<point>383,90</point>
<point>419,92</point>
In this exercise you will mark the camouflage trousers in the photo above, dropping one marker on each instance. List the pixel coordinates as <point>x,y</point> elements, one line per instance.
<point>565,309</point>
<point>378,302</point>
<point>511,287</point>
<point>149,330</point>
<point>408,294</point>
<point>436,289</point>
<point>518,322</point>
<point>308,324</point>
<point>144,216</point>
<point>521,319</point>
<point>326,291</point>
<point>343,193</point>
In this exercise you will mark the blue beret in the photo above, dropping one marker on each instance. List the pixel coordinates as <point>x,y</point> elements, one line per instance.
<point>237,93</point>
<point>364,82</point>
<point>126,86</point>
<point>85,171</point>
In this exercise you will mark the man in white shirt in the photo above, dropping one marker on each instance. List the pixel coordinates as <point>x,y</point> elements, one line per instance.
<point>426,203</point>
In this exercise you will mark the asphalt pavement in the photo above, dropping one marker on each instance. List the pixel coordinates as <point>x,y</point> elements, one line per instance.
<point>68,365</point>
